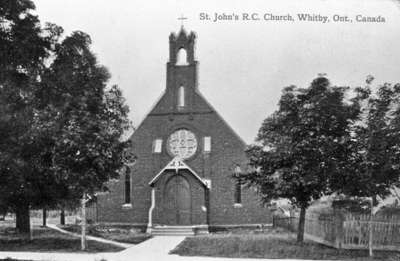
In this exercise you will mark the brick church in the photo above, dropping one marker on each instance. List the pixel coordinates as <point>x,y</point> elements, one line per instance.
<point>187,156</point>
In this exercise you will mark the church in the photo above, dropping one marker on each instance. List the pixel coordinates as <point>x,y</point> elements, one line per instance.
<point>186,158</point>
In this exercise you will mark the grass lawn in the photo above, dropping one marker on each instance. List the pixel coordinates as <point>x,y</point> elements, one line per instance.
<point>48,240</point>
<point>119,233</point>
<point>273,243</point>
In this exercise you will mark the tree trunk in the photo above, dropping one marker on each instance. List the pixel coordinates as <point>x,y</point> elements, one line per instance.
<point>302,222</point>
<point>62,217</point>
<point>23,219</point>
<point>44,217</point>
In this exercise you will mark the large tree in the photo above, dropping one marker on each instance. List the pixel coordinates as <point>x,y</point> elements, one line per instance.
<point>302,145</point>
<point>87,118</point>
<point>24,48</point>
<point>61,125</point>
<point>87,121</point>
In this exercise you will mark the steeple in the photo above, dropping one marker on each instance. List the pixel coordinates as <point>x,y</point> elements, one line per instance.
<point>181,70</point>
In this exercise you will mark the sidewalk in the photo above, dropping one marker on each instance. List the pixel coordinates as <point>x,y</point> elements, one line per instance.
<point>154,249</point>
<point>157,248</point>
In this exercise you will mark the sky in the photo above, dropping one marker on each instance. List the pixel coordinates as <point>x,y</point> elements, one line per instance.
<point>243,64</point>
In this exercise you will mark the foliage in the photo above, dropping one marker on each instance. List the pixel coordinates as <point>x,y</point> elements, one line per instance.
<point>25,46</point>
<point>302,144</point>
<point>353,205</point>
<point>86,118</point>
<point>375,161</point>
<point>61,126</point>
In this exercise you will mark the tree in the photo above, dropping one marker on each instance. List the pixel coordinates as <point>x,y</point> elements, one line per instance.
<point>302,145</point>
<point>374,162</point>
<point>24,48</point>
<point>375,159</point>
<point>86,118</point>
<point>61,124</point>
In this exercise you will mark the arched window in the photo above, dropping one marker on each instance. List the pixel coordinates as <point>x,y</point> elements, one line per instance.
<point>127,187</point>
<point>181,58</point>
<point>181,96</point>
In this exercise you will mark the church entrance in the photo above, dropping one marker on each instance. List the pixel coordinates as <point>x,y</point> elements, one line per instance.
<point>177,201</point>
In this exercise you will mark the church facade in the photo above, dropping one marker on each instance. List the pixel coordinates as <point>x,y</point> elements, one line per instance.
<point>187,156</point>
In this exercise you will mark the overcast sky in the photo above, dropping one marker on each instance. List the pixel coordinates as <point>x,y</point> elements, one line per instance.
<point>243,65</point>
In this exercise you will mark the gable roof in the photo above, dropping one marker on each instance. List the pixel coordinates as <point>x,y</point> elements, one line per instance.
<point>149,111</point>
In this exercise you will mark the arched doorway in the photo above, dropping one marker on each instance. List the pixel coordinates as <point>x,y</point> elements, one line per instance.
<point>177,201</point>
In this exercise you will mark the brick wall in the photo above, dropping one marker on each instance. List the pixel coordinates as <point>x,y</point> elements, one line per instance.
<point>227,151</point>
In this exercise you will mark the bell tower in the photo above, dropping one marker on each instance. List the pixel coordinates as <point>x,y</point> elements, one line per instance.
<point>181,71</point>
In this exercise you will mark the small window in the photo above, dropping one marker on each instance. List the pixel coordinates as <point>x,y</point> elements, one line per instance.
<point>181,96</point>
<point>157,146</point>
<point>238,186</point>
<point>238,192</point>
<point>127,187</point>
<point>207,144</point>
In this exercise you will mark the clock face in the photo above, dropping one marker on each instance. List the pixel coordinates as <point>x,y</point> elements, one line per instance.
<point>182,143</point>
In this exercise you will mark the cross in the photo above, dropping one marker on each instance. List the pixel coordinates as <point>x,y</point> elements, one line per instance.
<point>182,18</point>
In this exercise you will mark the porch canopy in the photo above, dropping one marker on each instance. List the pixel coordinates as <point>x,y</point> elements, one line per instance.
<point>177,164</point>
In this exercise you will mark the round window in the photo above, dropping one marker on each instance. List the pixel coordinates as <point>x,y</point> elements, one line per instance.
<point>182,143</point>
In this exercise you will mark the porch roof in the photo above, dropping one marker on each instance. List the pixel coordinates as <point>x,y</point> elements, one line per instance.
<point>177,164</point>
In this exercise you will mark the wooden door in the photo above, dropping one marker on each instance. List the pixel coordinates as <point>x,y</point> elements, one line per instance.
<point>177,201</point>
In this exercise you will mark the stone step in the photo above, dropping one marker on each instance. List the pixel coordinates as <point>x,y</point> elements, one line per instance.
<point>170,227</point>
<point>173,231</point>
<point>176,230</point>
<point>172,234</point>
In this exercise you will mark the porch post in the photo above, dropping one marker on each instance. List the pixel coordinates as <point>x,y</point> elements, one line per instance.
<point>207,201</point>
<point>153,204</point>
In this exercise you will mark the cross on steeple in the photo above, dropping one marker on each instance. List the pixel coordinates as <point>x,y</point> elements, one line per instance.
<point>182,18</point>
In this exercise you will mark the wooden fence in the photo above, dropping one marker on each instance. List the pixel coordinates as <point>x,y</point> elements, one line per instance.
<point>71,216</point>
<point>385,231</point>
<point>348,231</point>
<point>53,216</point>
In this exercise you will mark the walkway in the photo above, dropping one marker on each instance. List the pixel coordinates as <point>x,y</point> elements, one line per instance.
<point>99,239</point>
